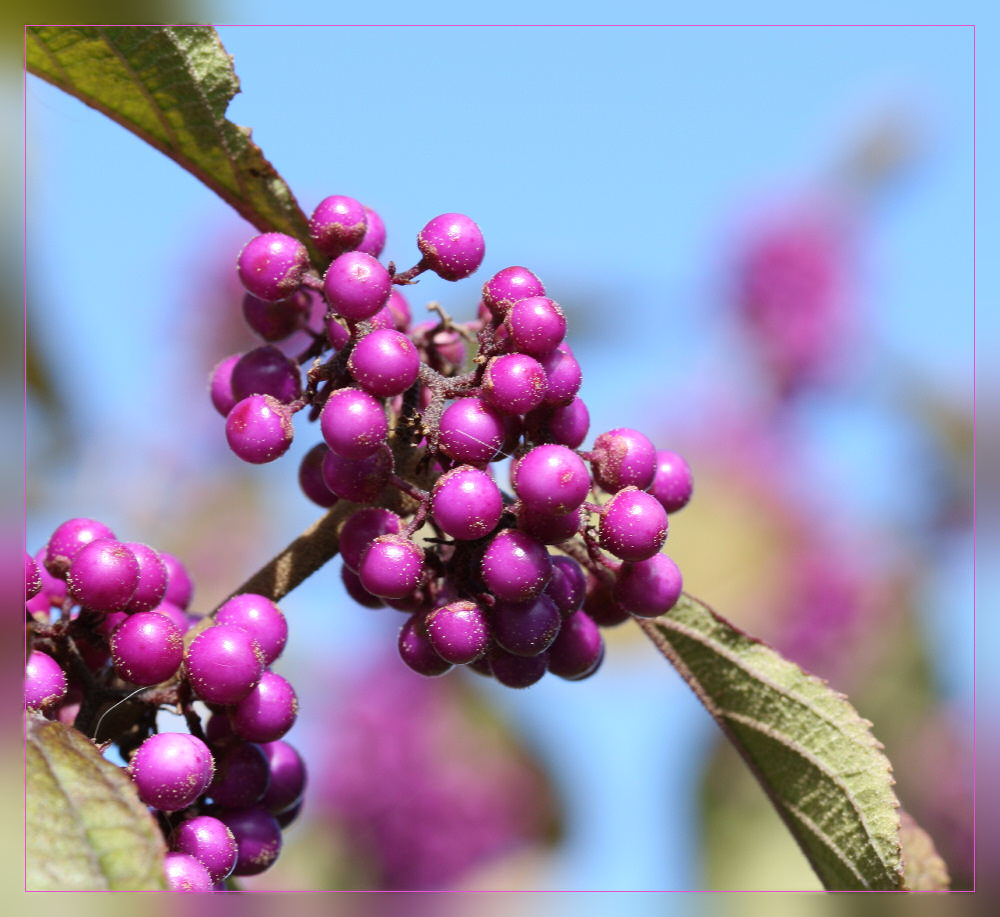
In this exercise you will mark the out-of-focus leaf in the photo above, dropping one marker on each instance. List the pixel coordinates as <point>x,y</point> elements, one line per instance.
<point>87,828</point>
<point>813,754</point>
<point>924,868</point>
<point>171,86</point>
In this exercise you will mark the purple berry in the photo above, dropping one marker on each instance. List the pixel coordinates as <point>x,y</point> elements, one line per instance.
<point>509,286</point>
<point>336,333</point>
<point>179,585</point>
<point>220,385</point>
<point>352,583</point>
<point>526,628</point>
<point>672,483</point>
<point>452,246</point>
<point>551,480</point>
<point>602,608</point>
<point>170,611</point>
<point>152,578</point>
<point>271,266</point>
<point>466,503</point>
<point>417,651</point>
<point>399,308</point>
<point>259,617</point>
<point>361,529</point>
<point>514,383</point>
<point>266,371</point>
<point>471,432</point>
<point>458,632</point>
<point>44,682</point>
<point>311,477</point>
<point>569,423</point>
<point>171,770</point>
<point>258,839</point>
<point>384,363</point>
<point>223,664</point>
<point>633,525</point>
<point>562,374</point>
<point>550,529</point>
<point>623,458</point>
<point>537,325</point>
<point>338,225</point>
<point>650,588</point>
<point>146,648</point>
<point>53,588</point>
<point>185,873</point>
<point>259,429</point>
<point>268,711</point>
<point>288,777</point>
<point>356,286</point>
<point>275,321</point>
<point>353,424</point>
<point>286,818</point>
<point>32,577</point>
<point>209,841</point>
<point>391,566</point>
<point>517,671</point>
<point>103,575</point>
<point>516,567</point>
<point>577,650</point>
<point>359,481</point>
<point>374,238</point>
<point>68,539</point>
<point>241,778</point>
<point>568,586</point>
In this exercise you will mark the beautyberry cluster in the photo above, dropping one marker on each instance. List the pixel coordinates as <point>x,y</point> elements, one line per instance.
<point>107,623</point>
<point>413,418</point>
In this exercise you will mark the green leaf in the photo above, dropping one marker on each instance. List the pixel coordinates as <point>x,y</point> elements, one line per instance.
<point>813,754</point>
<point>171,86</point>
<point>87,828</point>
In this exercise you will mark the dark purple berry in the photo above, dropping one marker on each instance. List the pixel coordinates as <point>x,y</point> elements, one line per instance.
<point>275,321</point>
<point>44,682</point>
<point>391,566</point>
<point>452,246</point>
<point>152,578</point>
<point>466,503</point>
<point>517,671</point>
<point>361,529</point>
<point>650,588</point>
<point>355,589</point>
<point>268,711</point>
<point>68,539</point>
<point>374,238</point>
<point>223,664</point>
<point>353,423</point>
<point>259,429</point>
<point>471,432</point>
<point>623,458</point>
<point>171,770</point>
<point>259,617</point>
<point>672,483</point>
<point>551,479</point>
<point>289,816</point>
<point>338,225</point>
<point>515,566</point>
<point>288,777</point>
<point>568,586</point>
<point>146,648</point>
<point>601,607</point>
<point>514,383</point>
<point>258,839</point>
<point>185,873</point>
<point>359,481</point>
<point>266,371</point>
<point>458,632</point>
<point>384,363</point>
<point>417,651</point>
<point>242,776</point>
<point>577,650</point>
<point>104,575</point>
<point>509,286</point>
<point>633,525</point>
<point>272,266</point>
<point>311,477</point>
<point>209,841</point>
<point>526,628</point>
<point>220,384</point>
<point>356,286</point>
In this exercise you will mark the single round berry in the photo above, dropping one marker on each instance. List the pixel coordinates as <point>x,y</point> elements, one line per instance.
<point>311,477</point>
<point>466,503</point>
<point>275,321</point>
<point>68,539</point>
<point>633,525</point>
<point>356,286</point>
<point>509,286</point>
<point>259,429</point>
<point>569,423</point>
<point>417,651</point>
<point>526,628</point>
<point>103,576</point>
<point>458,632</point>
<point>185,873</point>
<point>272,266</point>
<point>537,325</point>
<point>361,529</point>
<point>152,578</point>
<point>268,711</point>
<point>568,586</point>
<point>223,664</point>
<point>514,383</point>
<point>32,577</point>
<point>551,479</point>
<point>259,617</point>
<point>352,583</point>
<point>209,841</point>
<point>471,432</point>
<point>258,839</point>
<point>517,671</point>
<point>179,585</point>
<point>374,238</point>
<point>452,246</point>
<point>549,529</point>
<point>515,566</point>
<point>146,648</point>
<point>171,770</point>
<point>391,566</point>
<point>672,483</point>
<point>359,481</point>
<point>286,818</point>
<point>242,776</point>
<point>336,333</point>
<point>288,777</point>
<point>601,607</point>
<point>266,371</point>
<point>44,682</point>
<point>399,308</point>
<point>353,423</point>
<point>623,458</point>
<point>563,376</point>
<point>384,363</point>
<point>220,384</point>
<point>649,588</point>
<point>338,225</point>
<point>577,650</point>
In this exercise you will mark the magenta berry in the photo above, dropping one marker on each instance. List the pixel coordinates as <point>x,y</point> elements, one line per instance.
<point>452,246</point>
<point>171,770</point>
<point>458,632</point>
<point>353,423</point>
<point>152,578</point>
<point>68,539</point>
<point>563,376</point>
<point>549,529</point>
<point>623,458</point>
<point>32,577</point>
<point>275,321</point>
<point>223,664</point>
<point>399,308</point>
<point>568,424</point>
<point>338,225</point>
<point>311,477</point>
<point>526,628</point>
<point>568,585</point>
<point>44,682</point>
<point>288,777</point>
<point>417,651</point>
<point>509,286</point>
<point>516,567</point>
<point>336,333</point>
<point>361,529</point>
<point>268,711</point>
<point>242,776</point>
<point>577,649</point>
<point>602,608</point>
<point>391,567</point>
<point>633,525</point>
<point>355,589</point>
<point>672,482</point>
<point>209,841</point>
<point>466,503</point>
<point>266,371</point>
<point>179,585</point>
<point>185,873</point>
<point>356,286</point>
<point>220,384</point>
<point>359,481</point>
<point>649,588</point>
<point>272,266</point>
<point>260,618</point>
<point>146,648</point>
<point>517,671</point>
<point>259,429</point>
<point>551,479</point>
<point>514,383</point>
<point>471,431</point>
<point>103,576</point>
<point>537,325</point>
<point>384,363</point>
<point>374,238</point>
<point>258,839</point>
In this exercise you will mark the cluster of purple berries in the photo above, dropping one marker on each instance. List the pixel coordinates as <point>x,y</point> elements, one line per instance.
<point>411,421</point>
<point>108,621</point>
